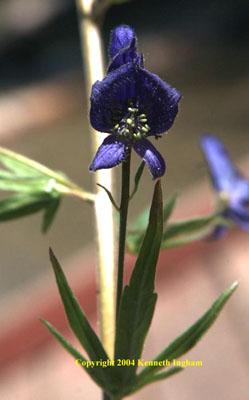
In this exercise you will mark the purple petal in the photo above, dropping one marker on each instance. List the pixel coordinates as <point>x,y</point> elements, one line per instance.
<point>240,216</point>
<point>111,98</point>
<point>158,100</point>
<point>151,157</point>
<point>239,191</point>
<point>111,152</point>
<point>121,38</point>
<point>128,54</point>
<point>223,172</point>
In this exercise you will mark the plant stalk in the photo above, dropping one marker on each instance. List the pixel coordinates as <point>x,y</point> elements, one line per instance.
<point>94,70</point>
<point>125,196</point>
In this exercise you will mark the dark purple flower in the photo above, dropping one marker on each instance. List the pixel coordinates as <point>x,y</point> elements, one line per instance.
<point>228,182</point>
<point>130,104</point>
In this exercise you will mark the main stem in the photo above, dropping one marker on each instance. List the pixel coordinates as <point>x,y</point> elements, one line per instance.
<point>125,194</point>
<point>94,70</point>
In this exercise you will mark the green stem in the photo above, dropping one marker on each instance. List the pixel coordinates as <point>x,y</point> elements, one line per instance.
<point>125,193</point>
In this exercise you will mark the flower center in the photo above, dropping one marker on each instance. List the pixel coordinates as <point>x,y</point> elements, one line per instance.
<point>133,126</point>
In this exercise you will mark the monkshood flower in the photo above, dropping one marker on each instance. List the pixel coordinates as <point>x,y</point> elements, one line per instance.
<point>229,183</point>
<point>131,104</point>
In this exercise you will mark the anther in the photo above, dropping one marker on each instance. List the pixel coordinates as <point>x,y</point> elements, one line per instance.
<point>144,129</point>
<point>132,110</point>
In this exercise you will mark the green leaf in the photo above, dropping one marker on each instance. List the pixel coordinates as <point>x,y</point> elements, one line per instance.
<point>25,185</point>
<point>169,207</point>
<point>137,179</point>
<point>155,378</point>
<point>190,225</point>
<point>20,205</point>
<point>187,239</point>
<point>138,300</point>
<point>49,214</point>
<point>136,234</point>
<point>93,372</point>
<point>75,315</point>
<point>110,196</point>
<point>29,170</point>
<point>17,166</point>
<point>23,166</point>
<point>191,336</point>
<point>80,325</point>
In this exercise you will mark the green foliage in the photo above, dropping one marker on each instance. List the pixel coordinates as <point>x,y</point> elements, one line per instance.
<point>136,234</point>
<point>169,207</point>
<point>138,300</point>
<point>20,205</point>
<point>35,188</point>
<point>133,322</point>
<point>190,337</point>
<point>137,178</point>
<point>176,233</point>
<point>93,372</point>
<point>82,330</point>
<point>147,380</point>
<point>111,198</point>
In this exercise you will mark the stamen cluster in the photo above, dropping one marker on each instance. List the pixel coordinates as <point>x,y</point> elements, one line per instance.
<point>133,126</point>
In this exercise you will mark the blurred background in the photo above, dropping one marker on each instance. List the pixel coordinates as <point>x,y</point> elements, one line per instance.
<point>199,47</point>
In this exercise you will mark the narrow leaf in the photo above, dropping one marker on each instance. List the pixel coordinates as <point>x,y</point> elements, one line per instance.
<point>190,225</point>
<point>110,196</point>
<point>20,205</point>
<point>80,325</point>
<point>137,179</point>
<point>186,239</point>
<point>138,300</point>
<point>75,315</point>
<point>11,161</point>
<point>169,207</point>
<point>93,372</point>
<point>49,214</point>
<point>23,184</point>
<point>192,335</point>
<point>135,236</point>
<point>155,378</point>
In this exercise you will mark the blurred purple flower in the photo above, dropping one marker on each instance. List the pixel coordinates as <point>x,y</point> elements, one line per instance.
<point>228,182</point>
<point>130,104</point>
